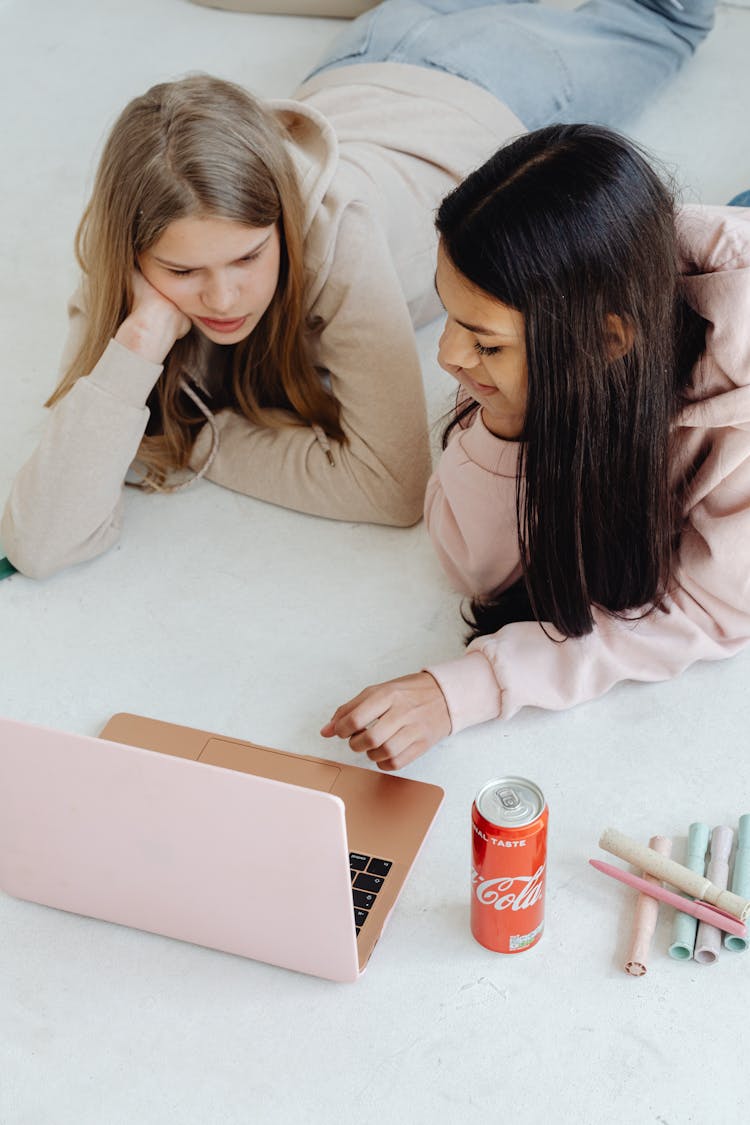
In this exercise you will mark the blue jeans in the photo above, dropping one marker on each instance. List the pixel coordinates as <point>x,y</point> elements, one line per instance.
<point>600,63</point>
<point>741,200</point>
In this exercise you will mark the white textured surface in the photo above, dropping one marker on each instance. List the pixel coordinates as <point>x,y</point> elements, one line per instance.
<point>228,614</point>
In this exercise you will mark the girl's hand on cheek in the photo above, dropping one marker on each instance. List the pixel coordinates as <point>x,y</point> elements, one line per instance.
<point>154,324</point>
<point>395,722</point>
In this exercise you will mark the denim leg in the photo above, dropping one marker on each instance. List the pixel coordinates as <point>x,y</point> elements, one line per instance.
<point>741,200</point>
<point>601,62</point>
<point>385,32</point>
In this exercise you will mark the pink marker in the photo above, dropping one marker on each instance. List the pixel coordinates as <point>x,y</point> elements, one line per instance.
<point>711,914</point>
<point>645,916</point>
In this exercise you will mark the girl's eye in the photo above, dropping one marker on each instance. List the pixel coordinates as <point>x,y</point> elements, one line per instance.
<point>486,351</point>
<point>242,261</point>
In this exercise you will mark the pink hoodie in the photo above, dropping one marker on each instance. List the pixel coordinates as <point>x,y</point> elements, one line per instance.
<point>470,514</point>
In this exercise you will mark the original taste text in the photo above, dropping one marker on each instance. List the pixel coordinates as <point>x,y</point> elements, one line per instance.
<point>495,842</point>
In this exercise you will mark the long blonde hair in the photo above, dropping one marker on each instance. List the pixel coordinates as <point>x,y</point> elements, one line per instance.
<point>199,147</point>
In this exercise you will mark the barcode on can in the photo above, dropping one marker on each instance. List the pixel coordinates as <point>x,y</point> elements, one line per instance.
<point>523,941</point>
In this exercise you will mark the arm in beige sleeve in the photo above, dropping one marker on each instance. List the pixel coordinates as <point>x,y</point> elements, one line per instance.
<point>706,617</point>
<point>367,345</point>
<point>65,504</point>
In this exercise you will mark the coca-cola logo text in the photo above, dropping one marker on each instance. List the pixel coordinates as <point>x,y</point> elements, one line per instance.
<point>510,892</point>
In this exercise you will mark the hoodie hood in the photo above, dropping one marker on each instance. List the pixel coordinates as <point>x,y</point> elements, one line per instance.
<point>715,249</point>
<point>314,150</point>
<point>715,246</point>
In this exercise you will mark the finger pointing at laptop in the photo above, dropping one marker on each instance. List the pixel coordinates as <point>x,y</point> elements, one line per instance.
<point>394,722</point>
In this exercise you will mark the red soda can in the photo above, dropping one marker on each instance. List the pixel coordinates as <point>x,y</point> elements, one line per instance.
<point>509,857</point>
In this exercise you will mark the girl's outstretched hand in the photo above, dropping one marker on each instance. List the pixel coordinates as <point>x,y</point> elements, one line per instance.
<point>154,324</point>
<point>395,722</point>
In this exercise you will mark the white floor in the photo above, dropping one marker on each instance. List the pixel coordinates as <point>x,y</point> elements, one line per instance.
<point>224,613</point>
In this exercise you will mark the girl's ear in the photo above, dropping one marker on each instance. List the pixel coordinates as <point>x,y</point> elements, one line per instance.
<point>619,335</point>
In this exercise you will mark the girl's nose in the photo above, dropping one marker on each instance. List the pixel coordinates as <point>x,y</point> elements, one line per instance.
<point>456,348</point>
<point>218,296</point>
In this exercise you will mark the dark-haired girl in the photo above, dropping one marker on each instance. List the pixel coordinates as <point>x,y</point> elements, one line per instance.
<point>593,498</point>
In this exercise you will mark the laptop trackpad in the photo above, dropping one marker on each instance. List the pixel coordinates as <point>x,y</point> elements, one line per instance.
<point>275,764</point>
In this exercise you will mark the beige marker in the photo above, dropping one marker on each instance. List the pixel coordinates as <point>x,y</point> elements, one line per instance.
<point>689,882</point>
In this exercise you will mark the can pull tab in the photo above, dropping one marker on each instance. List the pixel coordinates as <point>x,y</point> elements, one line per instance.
<point>508,798</point>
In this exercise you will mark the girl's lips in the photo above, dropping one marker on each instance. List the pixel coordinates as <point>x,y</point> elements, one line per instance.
<point>479,388</point>
<point>223,325</point>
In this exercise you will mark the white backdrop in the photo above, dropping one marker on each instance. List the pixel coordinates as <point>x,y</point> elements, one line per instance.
<point>222,612</point>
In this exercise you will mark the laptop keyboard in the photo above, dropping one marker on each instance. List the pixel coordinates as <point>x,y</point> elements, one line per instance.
<point>368,875</point>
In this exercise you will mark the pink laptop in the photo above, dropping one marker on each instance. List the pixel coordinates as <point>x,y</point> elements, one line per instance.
<point>287,859</point>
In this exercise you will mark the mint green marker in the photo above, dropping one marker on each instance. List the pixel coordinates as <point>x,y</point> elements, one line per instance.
<point>740,876</point>
<point>685,926</point>
<point>6,568</point>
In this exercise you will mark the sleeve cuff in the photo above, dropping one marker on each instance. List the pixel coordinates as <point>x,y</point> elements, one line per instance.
<point>471,691</point>
<point>125,375</point>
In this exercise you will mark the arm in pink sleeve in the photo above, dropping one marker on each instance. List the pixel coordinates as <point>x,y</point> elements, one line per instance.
<point>470,510</point>
<point>706,617</point>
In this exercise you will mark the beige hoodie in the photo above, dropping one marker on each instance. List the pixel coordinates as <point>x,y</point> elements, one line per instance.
<point>470,513</point>
<point>376,147</point>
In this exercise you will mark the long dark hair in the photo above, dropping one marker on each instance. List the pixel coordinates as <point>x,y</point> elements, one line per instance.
<point>570,225</point>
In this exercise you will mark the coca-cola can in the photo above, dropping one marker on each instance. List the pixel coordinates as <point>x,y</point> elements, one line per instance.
<point>509,858</point>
